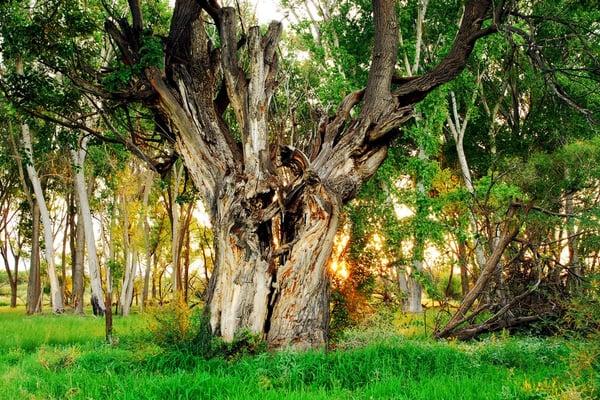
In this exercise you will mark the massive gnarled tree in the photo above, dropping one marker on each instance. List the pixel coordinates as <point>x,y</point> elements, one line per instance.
<point>274,208</point>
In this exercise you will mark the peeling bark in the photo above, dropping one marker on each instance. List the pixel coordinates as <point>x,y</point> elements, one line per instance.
<point>274,209</point>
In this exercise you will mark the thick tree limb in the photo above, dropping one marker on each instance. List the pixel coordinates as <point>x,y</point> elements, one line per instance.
<point>136,15</point>
<point>470,30</point>
<point>178,43</point>
<point>377,93</point>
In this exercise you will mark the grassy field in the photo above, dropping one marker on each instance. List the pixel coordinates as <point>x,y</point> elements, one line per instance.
<point>64,357</point>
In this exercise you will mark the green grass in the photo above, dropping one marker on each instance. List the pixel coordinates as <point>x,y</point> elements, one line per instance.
<point>64,357</point>
<point>18,330</point>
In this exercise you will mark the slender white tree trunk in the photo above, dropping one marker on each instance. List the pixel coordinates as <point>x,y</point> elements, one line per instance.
<point>128,282</point>
<point>128,256</point>
<point>147,241</point>
<point>175,230</point>
<point>55,291</point>
<point>86,216</point>
<point>458,128</point>
<point>415,290</point>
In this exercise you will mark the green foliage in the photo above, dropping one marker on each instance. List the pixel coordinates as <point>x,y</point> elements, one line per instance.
<point>117,269</point>
<point>582,312</point>
<point>151,53</point>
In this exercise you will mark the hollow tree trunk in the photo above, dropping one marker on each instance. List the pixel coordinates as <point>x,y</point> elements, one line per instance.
<point>285,297</point>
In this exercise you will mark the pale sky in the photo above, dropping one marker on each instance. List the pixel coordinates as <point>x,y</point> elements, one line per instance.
<point>266,10</point>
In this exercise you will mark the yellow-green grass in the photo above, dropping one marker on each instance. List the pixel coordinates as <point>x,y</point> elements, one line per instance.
<point>27,332</point>
<point>64,357</point>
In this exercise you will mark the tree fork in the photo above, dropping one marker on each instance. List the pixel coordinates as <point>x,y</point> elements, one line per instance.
<point>274,209</point>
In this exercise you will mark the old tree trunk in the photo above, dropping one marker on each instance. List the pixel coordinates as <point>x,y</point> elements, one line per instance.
<point>274,208</point>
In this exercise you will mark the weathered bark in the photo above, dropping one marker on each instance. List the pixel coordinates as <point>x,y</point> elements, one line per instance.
<point>273,208</point>
<point>279,289</point>
<point>81,189</point>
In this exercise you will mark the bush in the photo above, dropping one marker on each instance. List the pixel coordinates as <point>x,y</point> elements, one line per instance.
<point>244,343</point>
<point>188,331</point>
<point>582,313</point>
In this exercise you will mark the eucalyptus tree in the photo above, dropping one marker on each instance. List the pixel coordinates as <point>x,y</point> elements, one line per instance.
<point>78,155</point>
<point>274,209</point>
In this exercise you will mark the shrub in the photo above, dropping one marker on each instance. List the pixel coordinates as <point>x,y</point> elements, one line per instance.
<point>582,312</point>
<point>181,329</point>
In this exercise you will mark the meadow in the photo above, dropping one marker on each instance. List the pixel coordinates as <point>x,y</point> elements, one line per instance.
<point>65,357</point>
